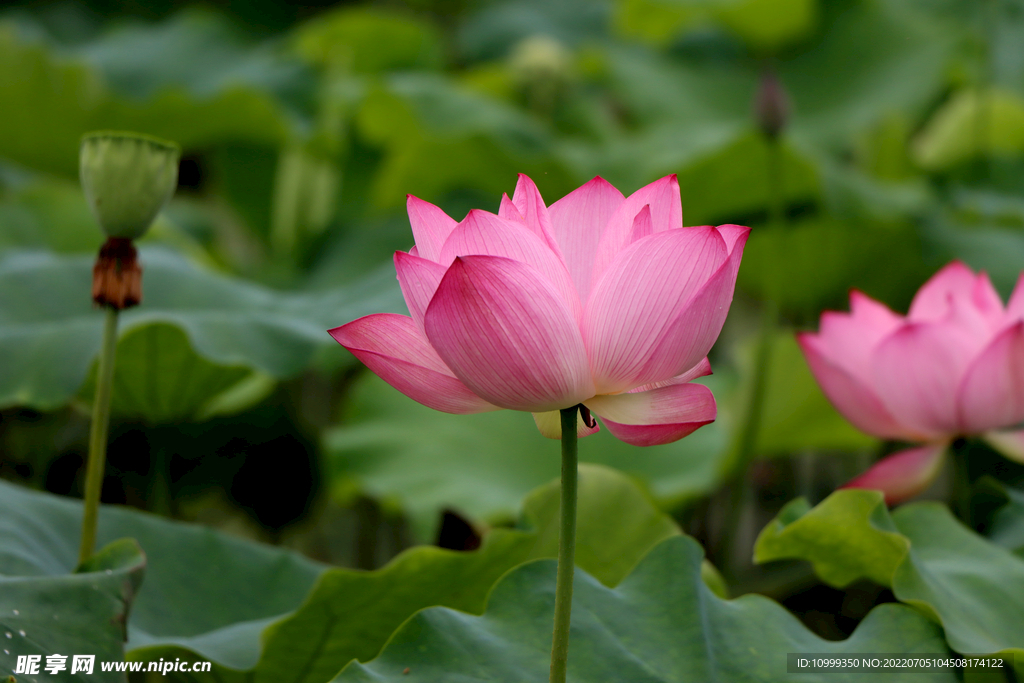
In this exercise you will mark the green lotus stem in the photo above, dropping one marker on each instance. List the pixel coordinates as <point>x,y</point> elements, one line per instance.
<point>962,488</point>
<point>98,435</point>
<point>566,547</point>
<point>746,443</point>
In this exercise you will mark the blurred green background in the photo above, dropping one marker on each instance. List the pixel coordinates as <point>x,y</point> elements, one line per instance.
<point>304,127</point>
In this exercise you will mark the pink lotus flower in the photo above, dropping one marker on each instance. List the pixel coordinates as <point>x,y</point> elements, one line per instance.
<point>598,299</point>
<point>954,366</point>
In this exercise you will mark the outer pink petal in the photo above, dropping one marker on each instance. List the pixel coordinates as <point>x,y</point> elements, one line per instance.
<point>991,395</point>
<point>666,213</point>
<point>418,278</point>
<point>638,299</point>
<point>917,371</point>
<point>658,416</point>
<point>850,394</point>
<point>550,425</point>
<point>692,334</point>
<point>904,474</point>
<point>430,227</point>
<point>508,335</point>
<point>578,220</point>
<point>535,214</point>
<point>393,348</point>
<point>1009,442</point>
<point>485,234</point>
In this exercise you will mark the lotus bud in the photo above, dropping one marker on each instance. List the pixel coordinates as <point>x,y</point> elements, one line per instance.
<point>127,178</point>
<point>771,106</point>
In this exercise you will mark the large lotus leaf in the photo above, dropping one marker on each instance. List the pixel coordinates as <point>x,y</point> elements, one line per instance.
<point>761,23</point>
<point>970,124</point>
<point>50,333</point>
<point>219,607</point>
<point>973,587</point>
<point>350,614</point>
<point>492,31</point>
<point>736,181</point>
<point>439,136</point>
<point>1007,527</point>
<point>68,613</point>
<point>160,379</point>
<point>204,591</point>
<point>685,114</point>
<point>194,49</point>
<point>839,89</point>
<point>482,465</point>
<point>868,547</point>
<point>52,213</point>
<point>660,624</point>
<point>367,40</point>
<point>61,99</point>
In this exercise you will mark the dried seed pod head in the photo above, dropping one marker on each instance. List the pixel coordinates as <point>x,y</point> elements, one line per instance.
<point>127,178</point>
<point>117,275</point>
<point>771,105</point>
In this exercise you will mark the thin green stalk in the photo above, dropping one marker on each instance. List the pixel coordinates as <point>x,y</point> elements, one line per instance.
<point>98,435</point>
<point>743,450</point>
<point>961,450</point>
<point>776,190</point>
<point>746,444</point>
<point>566,547</point>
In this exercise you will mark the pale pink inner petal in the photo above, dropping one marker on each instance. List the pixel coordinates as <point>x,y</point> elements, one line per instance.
<point>955,293</point>
<point>850,339</point>
<point>932,301</point>
<point>904,474</point>
<point>550,425</point>
<point>1008,442</point>
<point>991,395</point>
<point>395,350</point>
<point>732,234</point>
<point>485,234</point>
<point>509,210</point>
<point>535,214</point>
<point>508,335</point>
<point>430,227</point>
<point>851,393</point>
<point>701,369</point>
<point>658,416</point>
<point>666,214</point>
<point>578,220</point>
<point>642,225</point>
<point>418,278</point>
<point>640,296</point>
<point>917,370</point>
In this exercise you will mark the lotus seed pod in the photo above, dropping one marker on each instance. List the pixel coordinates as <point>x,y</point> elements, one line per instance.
<point>127,178</point>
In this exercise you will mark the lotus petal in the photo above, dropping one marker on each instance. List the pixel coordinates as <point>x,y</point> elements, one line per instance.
<point>508,335</point>
<point>396,351</point>
<point>658,416</point>
<point>904,474</point>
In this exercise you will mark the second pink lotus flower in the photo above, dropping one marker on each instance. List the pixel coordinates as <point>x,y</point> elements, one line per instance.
<point>598,299</point>
<point>954,366</point>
